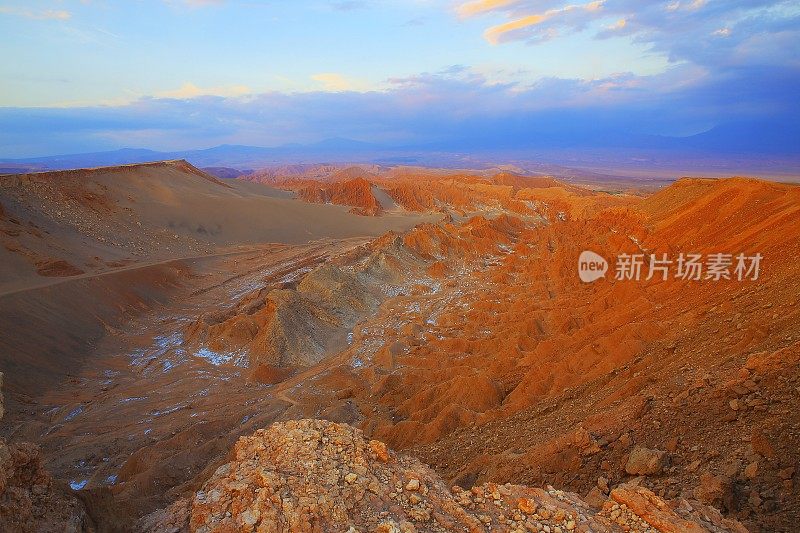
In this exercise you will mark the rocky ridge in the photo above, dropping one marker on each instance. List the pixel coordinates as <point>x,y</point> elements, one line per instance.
<point>318,476</point>
<point>297,320</point>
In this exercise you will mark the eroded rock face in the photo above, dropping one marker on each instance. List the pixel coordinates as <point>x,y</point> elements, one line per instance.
<point>356,193</point>
<point>318,476</point>
<point>298,324</point>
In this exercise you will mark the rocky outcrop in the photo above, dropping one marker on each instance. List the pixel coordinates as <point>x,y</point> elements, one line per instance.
<point>318,476</point>
<point>30,500</point>
<point>356,193</point>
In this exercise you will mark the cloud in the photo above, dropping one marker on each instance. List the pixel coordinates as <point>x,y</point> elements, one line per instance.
<point>42,14</point>
<point>458,108</point>
<point>733,60</point>
<point>331,81</point>
<point>190,90</point>
<point>716,36</point>
<point>536,30</point>
<point>496,33</point>
<point>687,6</point>
<point>482,6</point>
<point>348,5</point>
<point>618,26</point>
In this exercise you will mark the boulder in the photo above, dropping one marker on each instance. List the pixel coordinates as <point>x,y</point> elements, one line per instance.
<point>645,462</point>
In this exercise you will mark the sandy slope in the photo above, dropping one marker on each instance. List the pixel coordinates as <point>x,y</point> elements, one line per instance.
<point>70,222</point>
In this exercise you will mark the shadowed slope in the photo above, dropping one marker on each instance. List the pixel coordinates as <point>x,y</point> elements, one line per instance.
<point>82,249</point>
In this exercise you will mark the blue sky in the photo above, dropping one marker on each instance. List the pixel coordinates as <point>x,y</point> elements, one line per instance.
<point>82,75</point>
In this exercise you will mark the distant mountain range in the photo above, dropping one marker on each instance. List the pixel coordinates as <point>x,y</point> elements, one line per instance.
<point>224,156</point>
<point>736,147</point>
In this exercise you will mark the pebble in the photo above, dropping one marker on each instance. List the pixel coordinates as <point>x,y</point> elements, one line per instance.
<point>751,470</point>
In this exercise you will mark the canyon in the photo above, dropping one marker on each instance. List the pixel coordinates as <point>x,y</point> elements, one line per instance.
<point>393,349</point>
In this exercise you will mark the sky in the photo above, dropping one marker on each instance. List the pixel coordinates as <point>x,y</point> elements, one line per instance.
<point>91,75</point>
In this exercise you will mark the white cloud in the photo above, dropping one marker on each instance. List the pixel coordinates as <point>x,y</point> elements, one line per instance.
<point>41,14</point>
<point>618,25</point>
<point>332,81</point>
<point>335,82</point>
<point>190,90</point>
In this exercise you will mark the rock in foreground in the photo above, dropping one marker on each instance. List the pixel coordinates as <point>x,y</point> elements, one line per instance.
<point>30,500</point>
<point>318,476</point>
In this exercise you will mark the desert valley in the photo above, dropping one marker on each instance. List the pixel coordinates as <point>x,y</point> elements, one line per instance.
<point>392,266</point>
<point>288,351</point>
